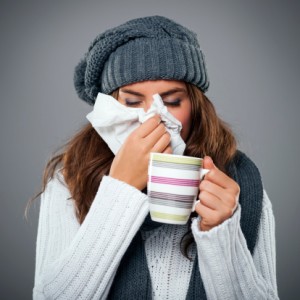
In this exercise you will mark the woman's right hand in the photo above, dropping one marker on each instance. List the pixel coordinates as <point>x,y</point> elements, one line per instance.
<point>130,165</point>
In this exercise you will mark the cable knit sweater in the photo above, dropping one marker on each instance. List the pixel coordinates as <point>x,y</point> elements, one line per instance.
<point>79,262</point>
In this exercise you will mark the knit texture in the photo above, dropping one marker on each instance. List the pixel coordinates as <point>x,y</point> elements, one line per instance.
<point>170,272</point>
<point>148,48</point>
<point>133,271</point>
<point>80,262</point>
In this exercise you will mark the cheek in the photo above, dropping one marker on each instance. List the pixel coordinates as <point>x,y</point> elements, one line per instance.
<point>184,116</point>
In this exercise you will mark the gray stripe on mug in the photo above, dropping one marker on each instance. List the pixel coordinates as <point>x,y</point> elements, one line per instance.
<point>172,203</point>
<point>169,196</point>
<point>170,165</point>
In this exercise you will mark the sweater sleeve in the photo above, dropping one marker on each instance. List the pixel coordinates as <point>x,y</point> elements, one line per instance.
<point>228,269</point>
<point>79,261</point>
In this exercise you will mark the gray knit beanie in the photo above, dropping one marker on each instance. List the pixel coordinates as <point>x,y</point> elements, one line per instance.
<point>146,48</point>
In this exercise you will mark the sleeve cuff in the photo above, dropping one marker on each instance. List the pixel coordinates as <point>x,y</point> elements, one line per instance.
<point>122,190</point>
<point>230,223</point>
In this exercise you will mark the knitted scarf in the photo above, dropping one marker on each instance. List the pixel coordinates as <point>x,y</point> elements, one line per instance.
<point>132,280</point>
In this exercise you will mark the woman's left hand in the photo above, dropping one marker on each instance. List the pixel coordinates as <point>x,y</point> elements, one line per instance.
<point>218,197</point>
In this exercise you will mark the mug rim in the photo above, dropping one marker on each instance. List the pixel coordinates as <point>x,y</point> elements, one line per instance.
<point>174,155</point>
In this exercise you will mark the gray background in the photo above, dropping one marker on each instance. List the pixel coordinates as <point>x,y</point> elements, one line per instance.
<point>252,52</point>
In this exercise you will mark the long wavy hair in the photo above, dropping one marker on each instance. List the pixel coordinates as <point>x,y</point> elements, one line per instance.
<point>86,158</point>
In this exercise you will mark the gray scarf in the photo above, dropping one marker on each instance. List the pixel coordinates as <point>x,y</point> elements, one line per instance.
<point>133,281</point>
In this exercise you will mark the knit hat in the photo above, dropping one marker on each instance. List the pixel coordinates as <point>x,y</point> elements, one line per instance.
<point>141,49</point>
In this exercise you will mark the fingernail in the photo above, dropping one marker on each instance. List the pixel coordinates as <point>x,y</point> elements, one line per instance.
<point>208,158</point>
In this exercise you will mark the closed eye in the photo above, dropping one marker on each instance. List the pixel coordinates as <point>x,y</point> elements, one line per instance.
<point>173,103</point>
<point>133,103</point>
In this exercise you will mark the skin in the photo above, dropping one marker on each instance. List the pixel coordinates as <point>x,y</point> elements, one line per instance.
<point>173,93</point>
<point>218,193</point>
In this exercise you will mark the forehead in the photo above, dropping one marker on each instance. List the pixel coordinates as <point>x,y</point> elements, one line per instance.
<point>154,85</point>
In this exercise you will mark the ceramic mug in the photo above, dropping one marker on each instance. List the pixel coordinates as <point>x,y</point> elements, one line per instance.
<point>173,186</point>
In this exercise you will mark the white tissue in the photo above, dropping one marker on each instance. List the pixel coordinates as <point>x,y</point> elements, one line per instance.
<point>114,122</point>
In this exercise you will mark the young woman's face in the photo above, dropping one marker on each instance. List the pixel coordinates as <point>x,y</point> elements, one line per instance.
<point>173,93</point>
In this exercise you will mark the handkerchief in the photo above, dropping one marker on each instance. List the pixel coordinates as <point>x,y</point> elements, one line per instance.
<point>114,121</point>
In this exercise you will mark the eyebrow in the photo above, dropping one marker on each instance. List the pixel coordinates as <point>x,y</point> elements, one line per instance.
<point>166,93</point>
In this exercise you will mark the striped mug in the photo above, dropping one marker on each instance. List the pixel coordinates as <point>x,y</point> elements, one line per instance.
<point>173,186</point>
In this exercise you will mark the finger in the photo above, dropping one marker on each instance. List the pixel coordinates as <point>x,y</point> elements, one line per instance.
<point>153,137</point>
<point>203,211</point>
<point>208,163</point>
<point>209,186</point>
<point>148,126</point>
<point>162,143</point>
<point>168,150</point>
<point>209,200</point>
<point>228,197</point>
<point>217,176</point>
<point>209,217</point>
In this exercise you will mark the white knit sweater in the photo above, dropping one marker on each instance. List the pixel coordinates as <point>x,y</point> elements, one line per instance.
<point>79,262</point>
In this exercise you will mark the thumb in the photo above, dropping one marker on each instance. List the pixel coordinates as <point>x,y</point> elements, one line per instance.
<point>208,163</point>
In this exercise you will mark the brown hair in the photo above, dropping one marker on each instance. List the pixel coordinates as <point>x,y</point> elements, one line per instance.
<point>86,158</point>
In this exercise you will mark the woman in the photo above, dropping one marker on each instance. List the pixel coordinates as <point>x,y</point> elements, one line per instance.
<point>95,239</point>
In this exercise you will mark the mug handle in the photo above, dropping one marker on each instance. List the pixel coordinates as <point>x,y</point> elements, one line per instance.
<point>194,205</point>
<point>202,173</point>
